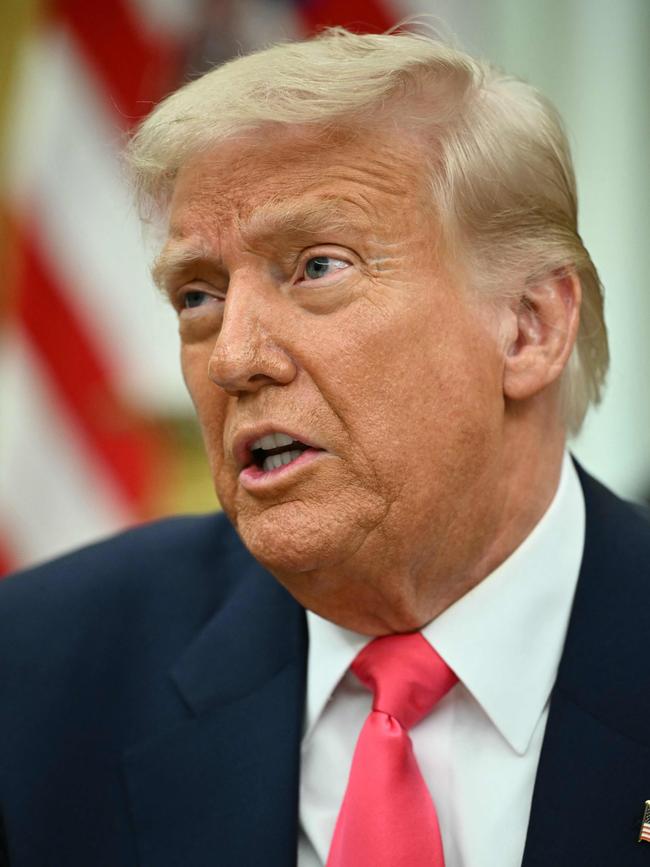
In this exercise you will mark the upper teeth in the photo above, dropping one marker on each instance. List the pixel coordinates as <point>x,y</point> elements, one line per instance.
<point>272,441</point>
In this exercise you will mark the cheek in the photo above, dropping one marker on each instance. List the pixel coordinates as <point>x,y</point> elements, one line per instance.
<point>209,402</point>
<point>430,404</point>
<point>195,360</point>
<point>194,367</point>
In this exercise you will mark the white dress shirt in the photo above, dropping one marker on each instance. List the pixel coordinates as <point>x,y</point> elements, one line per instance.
<point>479,749</point>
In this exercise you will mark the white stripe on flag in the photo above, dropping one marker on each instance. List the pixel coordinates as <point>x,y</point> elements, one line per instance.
<point>67,172</point>
<point>53,495</point>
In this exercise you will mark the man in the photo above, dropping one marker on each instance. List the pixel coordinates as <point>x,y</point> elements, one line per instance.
<point>388,325</point>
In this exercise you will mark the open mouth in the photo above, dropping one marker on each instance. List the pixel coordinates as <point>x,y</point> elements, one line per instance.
<point>276,450</point>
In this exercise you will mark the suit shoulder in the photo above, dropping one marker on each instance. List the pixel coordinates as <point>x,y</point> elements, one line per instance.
<point>642,512</point>
<point>180,564</point>
<point>624,527</point>
<point>146,546</point>
<point>602,668</point>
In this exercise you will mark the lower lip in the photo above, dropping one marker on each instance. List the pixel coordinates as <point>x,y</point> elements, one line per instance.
<point>254,478</point>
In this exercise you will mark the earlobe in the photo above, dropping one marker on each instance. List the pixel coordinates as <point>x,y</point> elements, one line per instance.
<point>547,317</point>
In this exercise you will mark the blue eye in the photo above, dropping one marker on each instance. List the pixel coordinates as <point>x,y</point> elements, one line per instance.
<point>321,266</point>
<point>317,267</point>
<point>193,299</point>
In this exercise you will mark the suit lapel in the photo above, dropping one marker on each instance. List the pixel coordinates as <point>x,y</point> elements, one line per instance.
<point>589,794</point>
<point>222,786</point>
<point>594,771</point>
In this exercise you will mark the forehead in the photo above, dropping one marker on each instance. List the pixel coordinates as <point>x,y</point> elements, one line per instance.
<point>313,175</point>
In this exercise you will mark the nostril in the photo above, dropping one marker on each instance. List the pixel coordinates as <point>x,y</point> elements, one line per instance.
<point>249,367</point>
<point>257,380</point>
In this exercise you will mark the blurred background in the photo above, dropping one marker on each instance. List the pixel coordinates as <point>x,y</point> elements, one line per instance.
<point>96,431</point>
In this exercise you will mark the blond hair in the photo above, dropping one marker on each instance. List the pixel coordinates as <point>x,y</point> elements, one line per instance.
<point>501,175</point>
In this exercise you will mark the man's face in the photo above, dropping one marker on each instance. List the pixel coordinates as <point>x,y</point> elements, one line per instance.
<point>313,305</point>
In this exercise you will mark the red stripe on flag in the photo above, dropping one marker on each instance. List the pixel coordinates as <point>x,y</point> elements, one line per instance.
<point>7,562</point>
<point>128,449</point>
<point>361,16</point>
<point>136,68</point>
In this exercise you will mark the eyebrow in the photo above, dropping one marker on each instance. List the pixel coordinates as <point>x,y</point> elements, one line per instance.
<point>175,259</point>
<point>301,218</point>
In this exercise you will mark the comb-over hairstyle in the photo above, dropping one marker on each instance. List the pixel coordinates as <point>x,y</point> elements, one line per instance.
<point>501,177</point>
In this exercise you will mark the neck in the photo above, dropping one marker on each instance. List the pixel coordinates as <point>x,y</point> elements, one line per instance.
<point>527,494</point>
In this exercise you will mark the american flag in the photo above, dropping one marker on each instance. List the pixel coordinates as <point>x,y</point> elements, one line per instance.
<point>644,833</point>
<point>80,456</point>
<point>86,353</point>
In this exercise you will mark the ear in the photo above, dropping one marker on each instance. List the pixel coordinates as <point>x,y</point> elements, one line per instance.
<point>542,336</point>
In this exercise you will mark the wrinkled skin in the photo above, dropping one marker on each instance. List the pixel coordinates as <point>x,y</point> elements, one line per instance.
<point>430,474</point>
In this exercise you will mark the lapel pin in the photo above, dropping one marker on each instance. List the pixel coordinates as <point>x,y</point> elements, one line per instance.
<point>644,832</point>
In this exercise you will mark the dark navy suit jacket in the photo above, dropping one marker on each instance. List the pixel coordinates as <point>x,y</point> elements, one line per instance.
<point>152,690</point>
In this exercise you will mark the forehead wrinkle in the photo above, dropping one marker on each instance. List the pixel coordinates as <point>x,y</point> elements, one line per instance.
<point>397,174</point>
<point>381,178</point>
<point>304,217</point>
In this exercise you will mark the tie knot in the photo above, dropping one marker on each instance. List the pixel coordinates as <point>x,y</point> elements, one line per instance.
<point>405,674</point>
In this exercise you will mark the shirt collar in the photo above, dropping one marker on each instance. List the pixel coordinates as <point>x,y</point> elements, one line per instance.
<point>503,639</point>
<point>331,652</point>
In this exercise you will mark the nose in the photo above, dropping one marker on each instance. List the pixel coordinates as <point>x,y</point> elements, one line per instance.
<point>249,354</point>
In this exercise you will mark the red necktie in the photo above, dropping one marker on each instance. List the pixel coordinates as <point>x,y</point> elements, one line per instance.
<point>387,818</point>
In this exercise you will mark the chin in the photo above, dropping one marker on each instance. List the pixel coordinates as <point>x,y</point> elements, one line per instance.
<point>292,538</point>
